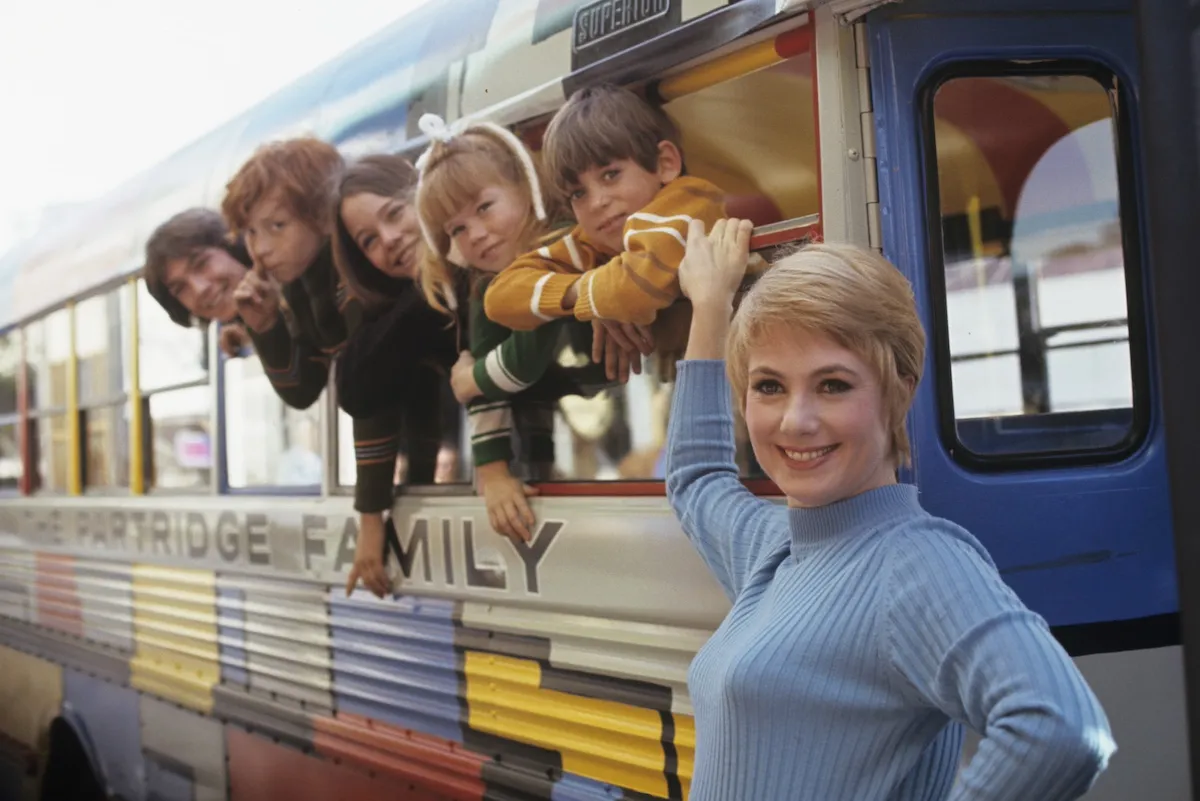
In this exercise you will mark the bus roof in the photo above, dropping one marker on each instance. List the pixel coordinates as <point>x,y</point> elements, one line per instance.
<point>508,62</point>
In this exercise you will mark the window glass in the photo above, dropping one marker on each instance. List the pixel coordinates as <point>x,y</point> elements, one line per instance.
<point>10,456</point>
<point>761,151</point>
<point>48,349</point>
<point>452,468</point>
<point>1033,262</point>
<point>106,439</point>
<point>267,443</point>
<point>10,361</point>
<point>168,354</point>
<point>100,345</point>
<point>180,437</point>
<point>51,446</point>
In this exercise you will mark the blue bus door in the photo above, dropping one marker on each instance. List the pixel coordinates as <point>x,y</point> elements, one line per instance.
<point>1011,194</point>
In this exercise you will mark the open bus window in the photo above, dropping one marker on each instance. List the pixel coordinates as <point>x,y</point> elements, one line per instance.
<point>267,443</point>
<point>10,452</point>
<point>104,380</point>
<point>754,136</point>
<point>1034,269</point>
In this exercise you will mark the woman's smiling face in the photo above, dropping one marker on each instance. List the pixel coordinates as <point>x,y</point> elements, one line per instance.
<point>816,418</point>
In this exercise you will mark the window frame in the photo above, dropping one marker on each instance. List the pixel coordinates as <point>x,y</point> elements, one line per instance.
<point>1123,117</point>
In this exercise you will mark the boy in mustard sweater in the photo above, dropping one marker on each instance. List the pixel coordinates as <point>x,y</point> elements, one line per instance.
<point>617,160</point>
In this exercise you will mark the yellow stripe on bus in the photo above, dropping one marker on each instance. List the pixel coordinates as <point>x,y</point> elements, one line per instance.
<point>175,633</point>
<point>607,741</point>
<point>30,696</point>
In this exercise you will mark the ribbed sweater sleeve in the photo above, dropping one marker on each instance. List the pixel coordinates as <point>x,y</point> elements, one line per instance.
<point>980,656</point>
<point>296,368</point>
<point>727,523</point>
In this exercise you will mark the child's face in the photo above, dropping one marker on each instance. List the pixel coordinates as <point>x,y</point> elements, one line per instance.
<point>279,241</point>
<point>386,231</point>
<point>487,230</point>
<point>607,194</point>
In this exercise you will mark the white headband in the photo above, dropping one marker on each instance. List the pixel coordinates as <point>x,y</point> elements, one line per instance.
<point>436,129</point>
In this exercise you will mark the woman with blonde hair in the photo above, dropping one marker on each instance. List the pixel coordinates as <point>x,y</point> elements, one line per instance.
<point>864,632</point>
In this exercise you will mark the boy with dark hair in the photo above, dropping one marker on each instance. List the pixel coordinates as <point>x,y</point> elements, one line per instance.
<point>617,160</point>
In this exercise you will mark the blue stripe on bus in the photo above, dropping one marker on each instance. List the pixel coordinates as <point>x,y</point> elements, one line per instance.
<point>576,788</point>
<point>395,662</point>
<point>231,634</point>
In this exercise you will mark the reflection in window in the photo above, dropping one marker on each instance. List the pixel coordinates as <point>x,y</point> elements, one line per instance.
<point>10,456</point>
<point>1034,266</point>
<point>107,446</point>
<point>52,446</point>
<point>100,345</point>
<point>267,443</point>
<point>760,151</point>
<point>180,437</point>
<point>168,354</point>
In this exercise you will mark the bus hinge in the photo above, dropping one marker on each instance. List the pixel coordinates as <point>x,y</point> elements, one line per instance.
<point>866,115</point>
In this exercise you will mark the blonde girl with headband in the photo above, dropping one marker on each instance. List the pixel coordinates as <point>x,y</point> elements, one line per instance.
<point>479,202</point>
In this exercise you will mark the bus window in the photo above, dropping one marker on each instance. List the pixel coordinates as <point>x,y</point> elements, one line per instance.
<point>1034,271</point>
<point>103,374</point>
<point>755,137</point>
<point>10,453</point>
<point>47,353</point>
<point>267,443</point>
<point>177,397</point>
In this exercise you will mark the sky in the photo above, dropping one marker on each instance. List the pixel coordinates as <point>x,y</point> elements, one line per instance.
<point>94,92</point>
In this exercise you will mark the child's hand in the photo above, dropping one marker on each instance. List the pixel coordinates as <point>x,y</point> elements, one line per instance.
<point>233,339</point>
<point>620,347</point>
<point>257,299</point>
<point>713,267</point>
<point>368,557</point>
<point>462,378</point>
<point>506,500</point>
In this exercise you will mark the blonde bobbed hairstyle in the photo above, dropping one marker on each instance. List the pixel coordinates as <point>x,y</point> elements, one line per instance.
<point>855,297</point>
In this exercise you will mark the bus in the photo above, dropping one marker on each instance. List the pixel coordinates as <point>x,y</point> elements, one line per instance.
<point>174,540</point>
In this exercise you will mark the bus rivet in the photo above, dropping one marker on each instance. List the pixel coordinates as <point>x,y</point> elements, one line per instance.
<point>853,154</point>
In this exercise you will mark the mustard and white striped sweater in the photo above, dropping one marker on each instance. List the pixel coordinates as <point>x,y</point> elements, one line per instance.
<point>627,287</point>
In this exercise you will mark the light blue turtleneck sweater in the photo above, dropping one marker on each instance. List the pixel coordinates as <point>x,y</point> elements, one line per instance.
<point>862,635</point>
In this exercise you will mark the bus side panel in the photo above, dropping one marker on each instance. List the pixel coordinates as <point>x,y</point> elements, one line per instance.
<point>106,594</point>
<point>260,770</point>
<point>285,630</point>
<point>16,582</point>
<point>110,718</point>
<point>394,661</point>
<point>31,694</point>
<point>58,605</point>
<point>175,625</point>
<point>178,745</point>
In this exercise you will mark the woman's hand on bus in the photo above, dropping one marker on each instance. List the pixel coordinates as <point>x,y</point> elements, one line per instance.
<point>368,557</point>
<point>506,498</point>
<point>462,378</point>
<point>714,265</point>
<point>257,299</point>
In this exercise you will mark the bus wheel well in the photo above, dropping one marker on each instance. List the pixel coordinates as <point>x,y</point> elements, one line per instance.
<point>69,771</point>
